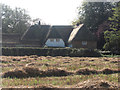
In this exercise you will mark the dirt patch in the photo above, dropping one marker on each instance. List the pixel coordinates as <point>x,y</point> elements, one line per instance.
<point>96,83</point>
<point>34,72</point>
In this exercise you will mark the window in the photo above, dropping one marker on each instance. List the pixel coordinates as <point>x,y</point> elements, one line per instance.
<point>57,40</point>
<point>84,42</point>
<point>51,40</point>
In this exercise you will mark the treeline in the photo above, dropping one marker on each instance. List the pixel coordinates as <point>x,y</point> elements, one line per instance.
<point>103,19</point>
<point>16,20</point>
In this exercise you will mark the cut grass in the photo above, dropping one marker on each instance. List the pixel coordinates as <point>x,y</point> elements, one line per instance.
<point>57,81</point>
<point>34,72</point>
<point>5,69</point>
<point>68,64</point>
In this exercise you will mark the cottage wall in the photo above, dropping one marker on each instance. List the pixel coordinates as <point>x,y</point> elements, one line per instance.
<point>54,43</point>
<point>90,44</point>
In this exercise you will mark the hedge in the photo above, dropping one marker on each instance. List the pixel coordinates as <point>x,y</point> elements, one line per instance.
<point>73,52</point>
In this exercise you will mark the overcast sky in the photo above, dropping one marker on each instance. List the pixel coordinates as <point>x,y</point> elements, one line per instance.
<point>54,12</point>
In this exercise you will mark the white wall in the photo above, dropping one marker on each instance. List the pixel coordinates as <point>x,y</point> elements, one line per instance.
<point>55,43</point>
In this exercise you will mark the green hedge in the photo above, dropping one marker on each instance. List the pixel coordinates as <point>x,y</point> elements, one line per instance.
<point>15,51</point>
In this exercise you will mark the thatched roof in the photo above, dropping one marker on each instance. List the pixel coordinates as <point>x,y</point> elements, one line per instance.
<point>42,32</point>
<point>36,33</point>
<point>81,33</point>
<point>10,37</point>
<point>53,33</point>
<point>64,31</point>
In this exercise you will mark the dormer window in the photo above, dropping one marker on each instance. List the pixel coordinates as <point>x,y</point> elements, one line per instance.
<point>84,42</point>
<point>57,40</point>
<point>51,40</point>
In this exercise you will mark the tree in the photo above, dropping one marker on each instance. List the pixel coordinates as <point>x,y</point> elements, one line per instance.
<point>14,20</point>
<point>100,34</point>
<point>112,36</point>
<point>92,14</point>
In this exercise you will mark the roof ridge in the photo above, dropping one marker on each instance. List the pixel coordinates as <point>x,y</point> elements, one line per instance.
<point>48,33</point>
<point>74,32</point>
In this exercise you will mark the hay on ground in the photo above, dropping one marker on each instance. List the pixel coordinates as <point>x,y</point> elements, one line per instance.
<point>35,72</point>
<point>96,83</point>
<point>109,71</point>
<point>57,72</point>
<point>15,73</point>
<point>86,71</point>
<point>32,71</point>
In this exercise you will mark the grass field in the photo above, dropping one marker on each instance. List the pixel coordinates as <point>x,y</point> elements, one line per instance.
<point>71,72</point>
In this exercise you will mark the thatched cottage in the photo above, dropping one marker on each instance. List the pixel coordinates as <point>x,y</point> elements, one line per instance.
<point>55,36</point>
<point>81,37</point>
<point>46,35</point>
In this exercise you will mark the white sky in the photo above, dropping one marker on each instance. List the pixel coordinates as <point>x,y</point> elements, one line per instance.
<point>54,12</point>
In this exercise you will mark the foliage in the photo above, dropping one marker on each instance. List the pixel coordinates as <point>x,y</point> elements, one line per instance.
<point>100,34</point>
<point>93,14</point>
<point>112,36</point>
<point>14,20</point>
